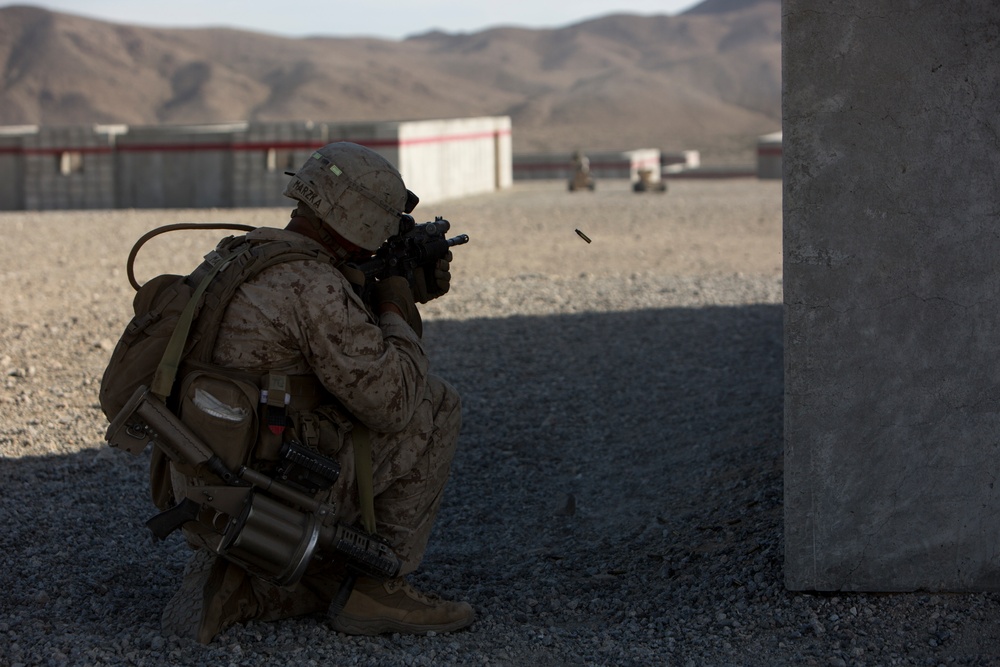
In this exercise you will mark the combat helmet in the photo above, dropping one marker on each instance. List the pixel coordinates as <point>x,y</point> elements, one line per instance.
<point>353,190</point>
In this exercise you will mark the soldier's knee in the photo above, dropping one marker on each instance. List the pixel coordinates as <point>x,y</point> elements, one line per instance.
<point>446,399</point>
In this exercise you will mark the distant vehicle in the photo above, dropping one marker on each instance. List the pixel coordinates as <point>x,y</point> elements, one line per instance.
<point>647,184</point>
<point>581,178</point>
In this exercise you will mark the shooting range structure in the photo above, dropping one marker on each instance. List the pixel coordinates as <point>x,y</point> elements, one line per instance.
<point>603,165</point>
<point>235,165</point>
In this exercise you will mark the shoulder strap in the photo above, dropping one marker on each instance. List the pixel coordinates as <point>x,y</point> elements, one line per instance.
<point>166,371</point>
<point>363,470</point>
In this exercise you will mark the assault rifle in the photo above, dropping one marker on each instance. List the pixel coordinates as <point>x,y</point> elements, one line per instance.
<point>274,525</point>
<point>416,247</point>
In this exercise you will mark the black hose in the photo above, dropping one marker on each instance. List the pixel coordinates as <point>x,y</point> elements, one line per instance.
<point>129,266</point>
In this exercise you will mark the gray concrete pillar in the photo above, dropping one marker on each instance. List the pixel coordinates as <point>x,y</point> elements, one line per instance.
<point>892,294</point>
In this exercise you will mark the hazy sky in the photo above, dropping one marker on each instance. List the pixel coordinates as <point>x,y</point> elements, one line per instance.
<point>393,19</point>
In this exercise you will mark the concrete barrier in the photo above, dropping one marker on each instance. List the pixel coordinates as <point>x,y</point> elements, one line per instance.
<point>892,379</point>
<point>189,166</point>
<point>713,172</point>
<point>263,153</point>
<point>68,167</point>
<point>444,159</point>
<point>676,162</point>
<point>12,165</point>
<point>236,164</point>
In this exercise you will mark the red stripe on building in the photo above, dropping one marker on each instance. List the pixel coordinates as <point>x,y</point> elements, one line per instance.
<point>253,145</point>
<point>96,150</point>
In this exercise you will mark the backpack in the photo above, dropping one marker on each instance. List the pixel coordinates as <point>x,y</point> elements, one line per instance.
<point>168,344</point>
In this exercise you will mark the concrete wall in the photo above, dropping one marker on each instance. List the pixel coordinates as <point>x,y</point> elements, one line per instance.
<point>68,167</point>
<point>444,159</point>
<point>892,295</point>
<point>12,165</point>
<point>236,164</point>
<point>263,152</point>
<point>678,161</point>
<point>177,166</point>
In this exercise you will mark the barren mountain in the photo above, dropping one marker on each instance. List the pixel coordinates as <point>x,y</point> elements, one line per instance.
<point>708,79</point>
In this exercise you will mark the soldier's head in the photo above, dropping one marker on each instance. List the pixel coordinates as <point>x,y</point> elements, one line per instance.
<point>354,191</point>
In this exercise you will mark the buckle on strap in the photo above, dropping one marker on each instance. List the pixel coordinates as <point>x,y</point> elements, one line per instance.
<point>220,255</point>
<point>274,401</point>
<point>309,429</point>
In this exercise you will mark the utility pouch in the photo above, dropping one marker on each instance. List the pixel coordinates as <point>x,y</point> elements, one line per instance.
<point>145,420</point>
<point>334,427</point>
<point>222,411</point>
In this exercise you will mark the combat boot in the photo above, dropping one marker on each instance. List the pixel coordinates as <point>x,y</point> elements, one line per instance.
<point>207,602</point>
<point>377,607</point>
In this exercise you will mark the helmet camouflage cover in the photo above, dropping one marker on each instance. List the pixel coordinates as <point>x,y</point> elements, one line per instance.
<point>353,190</point>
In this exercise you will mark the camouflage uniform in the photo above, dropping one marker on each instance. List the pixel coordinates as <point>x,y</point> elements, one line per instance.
<point>304,317</point>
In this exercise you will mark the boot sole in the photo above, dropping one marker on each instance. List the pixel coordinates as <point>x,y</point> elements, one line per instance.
<point>359,626</point>
<point>184,615</point>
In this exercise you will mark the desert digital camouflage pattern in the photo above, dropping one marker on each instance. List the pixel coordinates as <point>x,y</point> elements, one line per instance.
<point>354,190</point>
<point>304,317</point>
<point>299,317</point>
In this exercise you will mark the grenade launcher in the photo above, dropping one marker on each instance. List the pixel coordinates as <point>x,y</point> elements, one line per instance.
<point>270,526</point>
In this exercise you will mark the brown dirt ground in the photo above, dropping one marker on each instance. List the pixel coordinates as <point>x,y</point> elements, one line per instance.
<point>65,297</point>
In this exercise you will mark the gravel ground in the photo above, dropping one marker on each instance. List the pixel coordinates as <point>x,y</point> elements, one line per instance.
<point>616,497</point>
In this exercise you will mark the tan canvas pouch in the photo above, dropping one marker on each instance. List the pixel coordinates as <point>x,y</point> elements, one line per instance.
<point>334,427</point>
<point>222,411</point>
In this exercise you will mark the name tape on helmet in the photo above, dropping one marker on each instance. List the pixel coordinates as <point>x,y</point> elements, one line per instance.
<point>309,195</point>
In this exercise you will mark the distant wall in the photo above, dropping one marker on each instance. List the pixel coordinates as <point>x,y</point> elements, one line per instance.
<point>264,152</point>
<point>12,165</point>
<point>679,161</point>
<point>769,156</point>
<point>603,164</point>
<point>892,324</point>
<point>60,168</point>
<point>177,167</point>
<point>445,159</point>
<point>236,164</point>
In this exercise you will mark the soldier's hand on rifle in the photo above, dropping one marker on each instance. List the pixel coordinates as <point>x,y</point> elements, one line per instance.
<point>430,282</point>
<point>393,295</point>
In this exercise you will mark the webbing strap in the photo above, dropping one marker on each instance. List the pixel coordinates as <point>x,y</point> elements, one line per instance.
<point>166,371</point>
<point>363,469</point>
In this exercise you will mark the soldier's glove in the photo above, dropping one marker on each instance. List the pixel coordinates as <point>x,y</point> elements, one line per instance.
<point>430,282</point>
<point>396,290</point>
